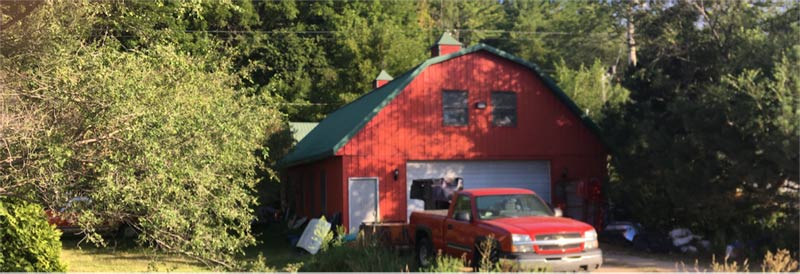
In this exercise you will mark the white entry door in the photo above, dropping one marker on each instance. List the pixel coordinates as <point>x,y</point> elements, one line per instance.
<point>533,175</point>
<point>362,202</point>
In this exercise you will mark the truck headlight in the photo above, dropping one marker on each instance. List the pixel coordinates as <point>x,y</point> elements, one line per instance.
<point>521,243</point>
<point>590,238</point>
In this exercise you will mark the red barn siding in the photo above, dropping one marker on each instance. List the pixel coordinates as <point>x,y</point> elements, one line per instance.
<point>392,194</point>
<point>307,177</point>
<point>410,128</point>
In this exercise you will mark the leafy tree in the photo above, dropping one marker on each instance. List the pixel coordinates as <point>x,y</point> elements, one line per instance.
<point>708,140</point>
<point>470,21</point>
<point>286,58</point>
<point>29,242</point>
<point>591,88</point>
<point>368,36</point>
<point>577,33</point>
<point>193,26</point>
<point>158,138</point>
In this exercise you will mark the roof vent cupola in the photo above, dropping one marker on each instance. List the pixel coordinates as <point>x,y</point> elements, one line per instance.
<point>382,79</point>
<point>445,45</point>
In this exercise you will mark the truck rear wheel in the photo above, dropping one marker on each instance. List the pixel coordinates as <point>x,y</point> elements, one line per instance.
<point>424,250</point>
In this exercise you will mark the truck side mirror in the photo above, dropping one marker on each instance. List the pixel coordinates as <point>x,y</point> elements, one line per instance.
<point>558,212</point>
<point>462,216</point>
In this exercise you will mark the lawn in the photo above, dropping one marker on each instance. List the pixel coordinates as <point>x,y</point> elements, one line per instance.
<point>275,247</point>
<point>127,257</point>
<point>88,258</point>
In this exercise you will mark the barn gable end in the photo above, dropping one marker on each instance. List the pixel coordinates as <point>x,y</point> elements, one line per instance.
<point>340,126</point>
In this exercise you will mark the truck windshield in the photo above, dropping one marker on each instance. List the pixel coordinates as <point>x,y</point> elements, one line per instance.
<point>509,206</point>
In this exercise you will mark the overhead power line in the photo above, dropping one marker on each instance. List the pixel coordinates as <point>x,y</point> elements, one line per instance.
<point>321,34</point>
<point>347,32</point>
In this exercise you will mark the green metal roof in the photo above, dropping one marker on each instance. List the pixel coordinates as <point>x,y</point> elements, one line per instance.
<point>384,76</point>
<point>447,39</point>
<point>301,129</point>
<point>335,131</point>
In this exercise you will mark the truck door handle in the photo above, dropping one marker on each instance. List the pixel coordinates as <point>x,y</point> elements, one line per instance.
<point>449,226</point>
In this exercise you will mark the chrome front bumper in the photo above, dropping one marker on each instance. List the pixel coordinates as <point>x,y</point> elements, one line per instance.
<point>583,261</point>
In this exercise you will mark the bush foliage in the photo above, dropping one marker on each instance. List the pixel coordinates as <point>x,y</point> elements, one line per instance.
<point>363,255</point>
<point>27,242</point>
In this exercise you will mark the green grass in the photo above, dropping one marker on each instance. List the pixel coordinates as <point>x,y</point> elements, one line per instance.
<point>127,257</point>
<point>274,246</point>
<point>88,258</point>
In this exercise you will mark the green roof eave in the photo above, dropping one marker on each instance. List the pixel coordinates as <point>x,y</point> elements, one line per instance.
<point>340,126</point>
<point>283,163</point>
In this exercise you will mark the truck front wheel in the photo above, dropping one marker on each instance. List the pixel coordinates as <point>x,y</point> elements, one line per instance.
<point>424,252</point>
<point>478,258</point>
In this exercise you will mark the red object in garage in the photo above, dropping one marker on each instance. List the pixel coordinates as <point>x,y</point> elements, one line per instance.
<point>477,113</point>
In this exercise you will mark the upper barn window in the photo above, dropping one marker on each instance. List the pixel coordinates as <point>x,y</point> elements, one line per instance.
<point>454,108</point>
<point>504,109</point>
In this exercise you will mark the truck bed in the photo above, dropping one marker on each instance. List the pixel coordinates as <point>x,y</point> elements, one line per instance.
<point>431,220</point>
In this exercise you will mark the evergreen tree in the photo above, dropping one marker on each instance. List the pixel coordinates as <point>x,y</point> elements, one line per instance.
<point>709,139</point>
<point>469,21</point>
<point>578,33</point>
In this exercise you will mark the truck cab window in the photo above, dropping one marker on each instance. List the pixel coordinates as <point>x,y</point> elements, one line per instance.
<point>462,206</point>
<point>510,206</point>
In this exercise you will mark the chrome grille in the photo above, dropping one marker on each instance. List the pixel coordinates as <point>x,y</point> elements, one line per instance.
<point>553,237</point>
<point>557,247</point>
<point>559,241</point>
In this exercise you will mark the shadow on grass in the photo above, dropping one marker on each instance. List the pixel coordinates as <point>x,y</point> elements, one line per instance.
<point>126,255</point>
<point>278,254</point>
<point>274,245</point>
<point>120,255</point>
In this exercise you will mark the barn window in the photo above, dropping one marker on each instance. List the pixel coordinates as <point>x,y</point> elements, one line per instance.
<point>504,109</point>
<point>454,108</point>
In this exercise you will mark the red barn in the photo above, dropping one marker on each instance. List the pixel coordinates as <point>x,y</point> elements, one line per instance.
<point>477,113</point>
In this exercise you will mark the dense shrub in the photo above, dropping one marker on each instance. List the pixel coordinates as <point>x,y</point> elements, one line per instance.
<point>356,258</point>
<point>28,242</point>
<point>444,263</point>
<point>363,255</point>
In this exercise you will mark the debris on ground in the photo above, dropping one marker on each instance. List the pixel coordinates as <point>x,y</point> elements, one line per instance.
<point>620,232</point>
<point>687,242</point>
<point>310,239</point>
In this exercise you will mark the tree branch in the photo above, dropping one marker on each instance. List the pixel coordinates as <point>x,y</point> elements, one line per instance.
<point>93,140</point>
<point>33,5</point>
<point>701,8</point>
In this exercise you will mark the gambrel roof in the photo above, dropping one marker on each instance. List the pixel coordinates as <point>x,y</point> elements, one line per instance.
<point>332,133</point>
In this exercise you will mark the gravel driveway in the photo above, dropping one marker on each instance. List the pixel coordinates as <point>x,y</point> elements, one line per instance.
<point>623,259</point>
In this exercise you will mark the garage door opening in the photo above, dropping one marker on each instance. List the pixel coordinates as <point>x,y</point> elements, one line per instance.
<point>533,175</point>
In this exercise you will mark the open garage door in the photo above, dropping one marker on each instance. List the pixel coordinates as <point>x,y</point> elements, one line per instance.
<point>533,175</point>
